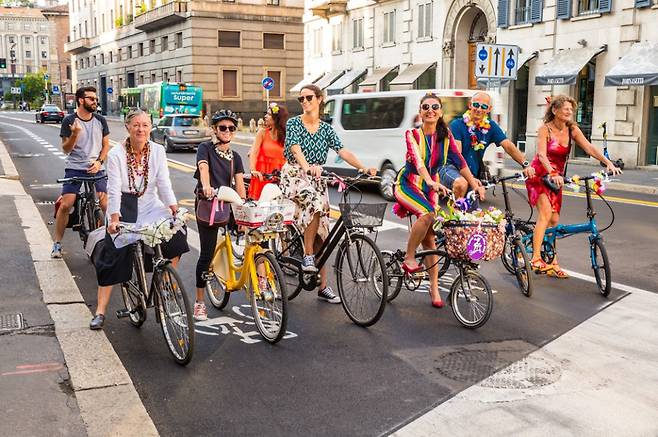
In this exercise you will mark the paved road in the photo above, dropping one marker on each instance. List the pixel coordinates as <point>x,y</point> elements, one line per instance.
<point>330,377</point>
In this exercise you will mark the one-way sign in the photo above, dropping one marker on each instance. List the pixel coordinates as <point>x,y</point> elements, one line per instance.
<point>496,61</point>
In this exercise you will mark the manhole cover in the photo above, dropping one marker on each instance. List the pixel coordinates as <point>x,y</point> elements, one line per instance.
<point>11,322</point>
<point>468,366</point>
<point>27,155</point>
<point>530,372</point>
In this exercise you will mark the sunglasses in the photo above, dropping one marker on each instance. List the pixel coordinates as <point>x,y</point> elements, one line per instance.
<point>224,128</point>
<point>93,99</point>
<point>478,105</point>
<point>308,98</point>
<point>427,106</point>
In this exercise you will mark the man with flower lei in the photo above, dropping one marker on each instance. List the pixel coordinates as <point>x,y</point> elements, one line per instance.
<point>475,131</point>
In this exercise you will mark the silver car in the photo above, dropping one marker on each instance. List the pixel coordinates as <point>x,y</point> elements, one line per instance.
<point>180,131</point>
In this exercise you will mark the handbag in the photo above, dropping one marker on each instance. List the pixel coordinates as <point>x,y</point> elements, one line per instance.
<point>212,212</point>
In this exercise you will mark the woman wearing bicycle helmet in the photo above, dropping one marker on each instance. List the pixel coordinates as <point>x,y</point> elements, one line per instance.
<point>217,166</point>
<point>308,140</point>
<point>266,155</point>
<point>139,191</point>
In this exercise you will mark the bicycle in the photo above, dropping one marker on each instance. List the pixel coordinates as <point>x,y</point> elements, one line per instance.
<point>89,215</point>
<point>359,265</point>
<point>258,271</point>
<point>598,253</point>
<point>166,293</point>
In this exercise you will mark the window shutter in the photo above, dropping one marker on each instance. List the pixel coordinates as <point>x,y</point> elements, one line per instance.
<point>642,3</point>
<point>605,6</point>
<point>503,13</point>
<point>564,9</point>
<point>536,9</point>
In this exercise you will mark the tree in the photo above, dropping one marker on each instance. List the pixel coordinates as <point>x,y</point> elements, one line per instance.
<point>33,87</point>
<point>21,3</point>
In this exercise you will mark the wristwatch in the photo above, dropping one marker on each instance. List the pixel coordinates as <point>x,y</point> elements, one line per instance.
<point>525,164</point>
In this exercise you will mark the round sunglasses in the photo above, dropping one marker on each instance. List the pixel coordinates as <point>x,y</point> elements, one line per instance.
<point>224,128</point>
<point>427,106</point>
<point>478,105</point>
<point>308,98</point>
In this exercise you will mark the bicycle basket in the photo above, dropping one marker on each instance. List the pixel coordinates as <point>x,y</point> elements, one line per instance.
<point>363,215</point>
<point>485,248</point>
<point>254,215</point>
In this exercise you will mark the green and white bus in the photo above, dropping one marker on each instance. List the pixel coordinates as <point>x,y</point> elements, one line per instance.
<point>130,99</point>
<point>162,98</point>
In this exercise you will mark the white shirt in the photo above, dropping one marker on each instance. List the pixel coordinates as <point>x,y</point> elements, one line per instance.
<point>153,205</point>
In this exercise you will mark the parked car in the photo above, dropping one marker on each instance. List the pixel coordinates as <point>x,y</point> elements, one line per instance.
<point>49,113</point>
<point>180,131</point>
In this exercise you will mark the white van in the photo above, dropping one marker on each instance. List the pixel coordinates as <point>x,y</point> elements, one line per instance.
<point>372,125</point>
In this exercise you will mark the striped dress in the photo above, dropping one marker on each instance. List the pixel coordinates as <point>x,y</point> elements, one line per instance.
<point>412,193</point>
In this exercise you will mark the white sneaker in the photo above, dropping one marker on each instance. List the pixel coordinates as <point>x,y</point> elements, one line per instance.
<point>200,313</point>
<point>57,251</point>
<point>308,264</point>
<point>328,294</point>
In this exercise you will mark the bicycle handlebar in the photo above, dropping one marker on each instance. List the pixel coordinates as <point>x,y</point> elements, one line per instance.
<point>496,179</point>
<point>81,179</point>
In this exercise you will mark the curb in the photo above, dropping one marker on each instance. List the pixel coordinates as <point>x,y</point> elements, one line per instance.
<point>106,396</point>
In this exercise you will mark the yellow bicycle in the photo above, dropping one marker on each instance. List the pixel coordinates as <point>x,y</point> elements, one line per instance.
<point>258,272</point>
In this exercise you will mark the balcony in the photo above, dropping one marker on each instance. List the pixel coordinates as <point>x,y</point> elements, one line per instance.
<point>330,8</point>
<point>163,16</point>
<point>78,46</point>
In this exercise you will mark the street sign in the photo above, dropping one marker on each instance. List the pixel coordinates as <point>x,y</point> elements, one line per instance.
<point>268,83</point>
<point>55,90</point>
<point>15,90</point>
<point>110,90</point>
<point>46,77</point>
<point>496,61</point>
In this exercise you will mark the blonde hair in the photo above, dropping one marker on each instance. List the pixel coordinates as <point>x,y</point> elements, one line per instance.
<point>134,113</point>
<point>556,103</point>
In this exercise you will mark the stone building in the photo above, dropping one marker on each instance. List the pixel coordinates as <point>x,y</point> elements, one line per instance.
<point>59,66</point>
<point>226,47</point>
<point>567,46</point>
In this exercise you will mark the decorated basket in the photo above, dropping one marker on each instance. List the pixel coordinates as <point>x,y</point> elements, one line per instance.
<point>253,215</point>
<point>474,241</point>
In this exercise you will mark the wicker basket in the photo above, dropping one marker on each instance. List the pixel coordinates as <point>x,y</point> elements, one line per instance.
<point>363,215</point>
<point>458,235</point>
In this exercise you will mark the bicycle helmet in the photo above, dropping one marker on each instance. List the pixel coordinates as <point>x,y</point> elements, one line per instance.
<point>224,114</point>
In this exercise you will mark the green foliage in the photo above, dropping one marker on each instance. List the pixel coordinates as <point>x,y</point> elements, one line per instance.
<point>118,22</point>
<point>33,87</point>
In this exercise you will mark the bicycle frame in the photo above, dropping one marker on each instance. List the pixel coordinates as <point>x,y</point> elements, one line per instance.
<point>146,295</point>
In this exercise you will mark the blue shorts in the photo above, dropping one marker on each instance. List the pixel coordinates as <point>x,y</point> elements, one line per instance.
<point>74,187</point>
<point>448,174</point>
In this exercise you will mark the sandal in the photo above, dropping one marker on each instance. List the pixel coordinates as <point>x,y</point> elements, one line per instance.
<point>556,271</point>
<point>539,266</point>
<point>411,270</point>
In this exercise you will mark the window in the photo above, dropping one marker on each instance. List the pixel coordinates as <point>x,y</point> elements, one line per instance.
<point>28,40</point>
<point>103,23</point>
<point>28,69</point>
<point>179,40</point>
<point>141,79</point>
<point>10,26</point>
<point>317,42</point>
<point>273,41</point>
<point>228,38</point>
<point>130,51</point>
<point>102,58</point>
<point>111,57</point>
<point>140,49</point>
<point>86,29</point>
<point>44,54</point>
<point>164,44</point>
<point>522,12</point>
<point>12,54</point>
<point>43,27</point>
<point>68,72</point>
<point>336,38</point>
<point>95,26</point>
<point>26,26</point>
<point>152,77</point>
<point>278,86</point>
<point>111,18</point>
<point>230,83</point>
<point>587,7</point>
<point>389,27</point>
<point>151,46</point>
<point>165,76</point>
<point>28,53</point>
<point>44,40</point>
<point>357,33</point>
<point>372,113</point>
<point>425,20</point>
<point>179,76</point>
<point>273,2</point>
<point>12,40</point>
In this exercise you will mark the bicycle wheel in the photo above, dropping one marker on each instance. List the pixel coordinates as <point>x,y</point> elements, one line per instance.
<point>289,244</point>
<point>601,267</point>
<point>394,273</point>
<point>269,307</point>
<point>216,292</point>
<point>521,263</point>
<point>175,314</point>
<point>362,280</point>
<point>471,299</point>
<point>131,292</point>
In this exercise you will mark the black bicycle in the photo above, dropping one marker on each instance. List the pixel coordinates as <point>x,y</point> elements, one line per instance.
<point>87,215</point>
<point>359,266</point>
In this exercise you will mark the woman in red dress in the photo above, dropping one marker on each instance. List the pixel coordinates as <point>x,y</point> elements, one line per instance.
<point>554,139</point>
<point>267,151</point>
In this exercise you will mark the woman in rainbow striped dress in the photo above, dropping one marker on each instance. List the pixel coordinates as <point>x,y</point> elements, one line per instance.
<point>417,188</point>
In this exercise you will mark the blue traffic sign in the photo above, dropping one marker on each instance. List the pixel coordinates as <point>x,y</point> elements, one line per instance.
<point>510,63</point>
<point>482,54</point>
<point>268,83</point>
<point>110,90</point>
<point>46,77</point>
<point>56,90</point>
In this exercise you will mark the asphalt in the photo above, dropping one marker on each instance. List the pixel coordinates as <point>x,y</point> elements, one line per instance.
<point>325,377</point>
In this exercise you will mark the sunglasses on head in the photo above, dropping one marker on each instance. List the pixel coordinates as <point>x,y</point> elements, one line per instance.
<point>478,105</point>
<point>308,98</point>
<point>427,106</point>
<point>224,128</point>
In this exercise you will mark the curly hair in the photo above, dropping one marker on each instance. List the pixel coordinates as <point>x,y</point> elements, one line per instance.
<point>441,126</point>
<point>555,103</point>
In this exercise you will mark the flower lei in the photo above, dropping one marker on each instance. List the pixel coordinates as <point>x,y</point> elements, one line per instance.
<point>483,126</point>
<point>138,168</point>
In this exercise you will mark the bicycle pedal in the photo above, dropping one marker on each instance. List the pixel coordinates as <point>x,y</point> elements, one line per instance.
<point>76,228</point>
<point>123,313</point>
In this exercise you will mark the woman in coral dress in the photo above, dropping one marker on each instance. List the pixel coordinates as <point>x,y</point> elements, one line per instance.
<point>266,153</point>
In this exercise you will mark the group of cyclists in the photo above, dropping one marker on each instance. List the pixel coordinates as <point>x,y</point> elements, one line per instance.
<point>440,158</point>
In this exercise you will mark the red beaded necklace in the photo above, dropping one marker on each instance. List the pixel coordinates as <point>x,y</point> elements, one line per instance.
<point>139,168</point>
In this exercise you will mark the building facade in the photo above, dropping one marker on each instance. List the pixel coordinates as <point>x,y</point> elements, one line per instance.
<point>226,47</point>
<point>59,66</point>
<point>567,47</point>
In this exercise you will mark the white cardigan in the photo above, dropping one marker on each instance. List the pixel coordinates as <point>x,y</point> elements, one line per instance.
<point>154,203</point>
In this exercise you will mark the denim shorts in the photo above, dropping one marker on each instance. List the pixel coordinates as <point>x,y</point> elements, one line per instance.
<point>448,174</point>
<point>74,187</point>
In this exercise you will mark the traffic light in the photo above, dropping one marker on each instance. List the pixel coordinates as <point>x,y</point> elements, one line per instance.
<point>3,62</point>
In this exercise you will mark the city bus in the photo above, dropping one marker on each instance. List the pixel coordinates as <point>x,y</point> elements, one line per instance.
<point>130,98</point>
<point>161,98</point>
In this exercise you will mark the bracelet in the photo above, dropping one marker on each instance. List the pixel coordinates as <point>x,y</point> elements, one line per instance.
<point>525,164</point>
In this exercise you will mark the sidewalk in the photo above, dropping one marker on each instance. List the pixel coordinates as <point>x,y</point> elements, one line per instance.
<point>57,378</point>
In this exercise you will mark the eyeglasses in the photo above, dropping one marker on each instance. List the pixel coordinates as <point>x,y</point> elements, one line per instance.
<point>308,98</point>
<point>427,106</point>
<point>224,128</point>
<point>93,99</point>
<point>478,105</point>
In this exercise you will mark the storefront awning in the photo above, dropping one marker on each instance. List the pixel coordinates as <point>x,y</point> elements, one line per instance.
<point>377,75</point>
<point>301,83</point>
<point>523,59</point>
<point>564,67</point>
<point>411,73</point>
<point>328,78</point>
<point>639,67</point>
<point>345,80</point>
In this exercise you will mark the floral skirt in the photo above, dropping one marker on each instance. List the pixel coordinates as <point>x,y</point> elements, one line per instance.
<point>309,194</point>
